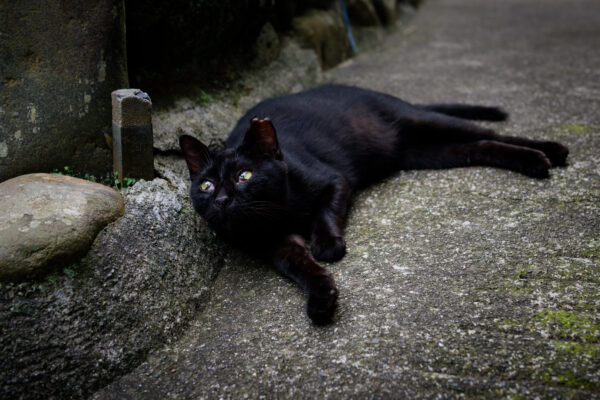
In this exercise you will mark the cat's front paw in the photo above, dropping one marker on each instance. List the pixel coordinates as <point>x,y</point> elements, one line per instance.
<point>328,248</point>
<point>322,300</point>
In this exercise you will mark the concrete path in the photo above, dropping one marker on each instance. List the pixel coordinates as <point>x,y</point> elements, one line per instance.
<point>468,282</point>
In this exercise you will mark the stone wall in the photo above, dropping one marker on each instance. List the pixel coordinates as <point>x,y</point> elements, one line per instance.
<point>59,62</point>
<point>172,45</point>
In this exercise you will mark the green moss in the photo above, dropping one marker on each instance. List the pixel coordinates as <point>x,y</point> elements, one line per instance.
<point>569,378</point>
<point>522,272</point>
<point>71,270</point>
<point>593,251</point>
<point>579,129</point>
<point>508,321</point>
<point>578,271</point>
<point>575,348</point>
<point>568,324</point>
<point>581,358</point>
<point>53,277</point>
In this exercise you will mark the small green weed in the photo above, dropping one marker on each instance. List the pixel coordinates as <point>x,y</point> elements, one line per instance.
<point>110,179</point>
<point>205,98</point>
<point>67,171</point>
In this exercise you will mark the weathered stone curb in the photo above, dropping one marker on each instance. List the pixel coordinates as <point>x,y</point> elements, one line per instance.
<point>145,277</point>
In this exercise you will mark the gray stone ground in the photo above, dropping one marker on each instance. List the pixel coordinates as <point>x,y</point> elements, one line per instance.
<point>468,282</point>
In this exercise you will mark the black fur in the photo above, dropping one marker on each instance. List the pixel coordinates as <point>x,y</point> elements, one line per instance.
<point>330,141</point>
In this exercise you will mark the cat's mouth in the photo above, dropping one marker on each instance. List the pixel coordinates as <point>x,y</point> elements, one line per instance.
<point>252,213</point>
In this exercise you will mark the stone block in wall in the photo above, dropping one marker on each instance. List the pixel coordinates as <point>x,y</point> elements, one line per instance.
<point>59,62</point>
<point>362,13</point>
<point>387,11</point>
<point>325,33</point>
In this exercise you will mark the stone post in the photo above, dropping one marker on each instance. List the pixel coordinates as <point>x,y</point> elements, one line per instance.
<point>132,134</point>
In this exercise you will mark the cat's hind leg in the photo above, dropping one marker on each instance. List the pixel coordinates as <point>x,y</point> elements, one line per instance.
<point>465,111</point>
<point>432,128</point>
<point>556,152</point>
<point>491,153</point>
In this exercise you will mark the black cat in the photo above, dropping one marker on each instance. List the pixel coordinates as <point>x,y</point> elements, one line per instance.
<point>285,195</point>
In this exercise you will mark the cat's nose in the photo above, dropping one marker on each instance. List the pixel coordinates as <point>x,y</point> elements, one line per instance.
<point>222,199</point>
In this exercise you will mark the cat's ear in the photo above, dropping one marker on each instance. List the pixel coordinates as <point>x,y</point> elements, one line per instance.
<point>196,154</point>
<point>261,139</point>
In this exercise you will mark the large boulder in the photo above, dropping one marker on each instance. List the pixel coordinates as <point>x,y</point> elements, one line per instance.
<point>146,275</point>
<point>50,219</point>
<point>59,62</point>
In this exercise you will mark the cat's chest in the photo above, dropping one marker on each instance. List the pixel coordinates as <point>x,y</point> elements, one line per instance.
<point>305,193</point>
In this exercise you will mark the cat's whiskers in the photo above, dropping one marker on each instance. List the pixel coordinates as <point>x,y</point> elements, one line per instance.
<point>257,208</point>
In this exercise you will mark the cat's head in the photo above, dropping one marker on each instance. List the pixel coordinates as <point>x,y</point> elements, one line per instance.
<point>239,190</point>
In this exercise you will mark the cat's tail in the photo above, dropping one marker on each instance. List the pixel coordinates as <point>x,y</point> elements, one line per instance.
<point>481,113</point>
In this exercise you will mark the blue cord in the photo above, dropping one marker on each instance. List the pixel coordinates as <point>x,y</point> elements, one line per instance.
<point>348,27</point>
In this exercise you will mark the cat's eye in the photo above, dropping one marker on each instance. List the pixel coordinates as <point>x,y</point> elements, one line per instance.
<point>207,186</point>
<point>244,176</point>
